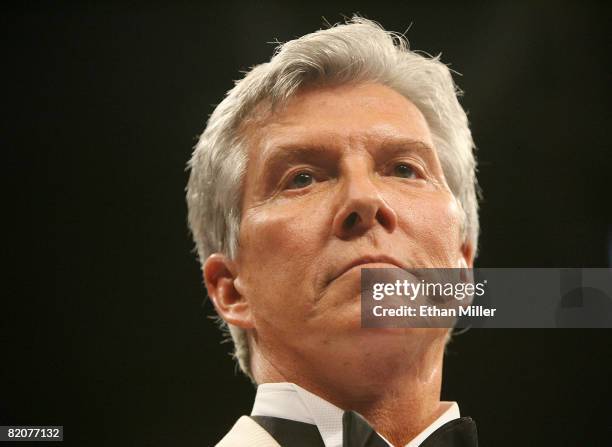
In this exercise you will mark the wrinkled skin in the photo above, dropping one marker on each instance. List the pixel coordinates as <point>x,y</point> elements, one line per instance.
<point>340,173</point>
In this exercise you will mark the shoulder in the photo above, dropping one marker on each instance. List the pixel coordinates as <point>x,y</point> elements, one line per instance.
<point>247,432</point>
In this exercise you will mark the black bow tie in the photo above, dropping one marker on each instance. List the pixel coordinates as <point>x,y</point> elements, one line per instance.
<point>356,432</point>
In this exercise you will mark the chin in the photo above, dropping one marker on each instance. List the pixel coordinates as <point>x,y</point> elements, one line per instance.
<point>382,335</point>
<point>391,343</point>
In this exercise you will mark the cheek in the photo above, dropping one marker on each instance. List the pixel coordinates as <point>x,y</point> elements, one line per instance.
<point>279,246</point>
<point>434,221</point>
<point>274,233</point>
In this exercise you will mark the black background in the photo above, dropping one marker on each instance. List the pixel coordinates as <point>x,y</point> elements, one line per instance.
<point>105,327</point>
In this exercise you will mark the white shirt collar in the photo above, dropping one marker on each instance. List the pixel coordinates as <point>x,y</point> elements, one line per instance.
<point>289,401</point>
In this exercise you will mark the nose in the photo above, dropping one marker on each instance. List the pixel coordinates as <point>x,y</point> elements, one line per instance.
<point>362,208</point>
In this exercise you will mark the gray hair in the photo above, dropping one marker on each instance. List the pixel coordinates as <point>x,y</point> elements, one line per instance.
<point>358,51</point>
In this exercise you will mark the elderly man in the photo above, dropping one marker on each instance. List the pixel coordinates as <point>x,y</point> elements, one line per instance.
<point>345,151</point>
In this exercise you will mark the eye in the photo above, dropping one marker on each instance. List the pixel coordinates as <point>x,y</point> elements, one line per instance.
<point>404,170</point>
<point>300,180</point>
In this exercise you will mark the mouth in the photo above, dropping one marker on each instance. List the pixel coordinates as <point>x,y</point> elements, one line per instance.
<point>365,260</point>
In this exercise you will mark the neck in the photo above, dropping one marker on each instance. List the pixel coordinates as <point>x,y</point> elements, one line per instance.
<point>398,393</point>
<point>402,410</point>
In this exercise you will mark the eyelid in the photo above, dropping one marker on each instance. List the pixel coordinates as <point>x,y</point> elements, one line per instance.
<point>292,173</point>
<point>416,165</point>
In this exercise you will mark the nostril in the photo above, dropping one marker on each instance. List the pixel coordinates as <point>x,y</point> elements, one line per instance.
<point>351,220</point>
<point>382,219</point>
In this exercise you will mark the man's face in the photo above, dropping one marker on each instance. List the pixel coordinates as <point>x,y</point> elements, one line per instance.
<point>341,178</point>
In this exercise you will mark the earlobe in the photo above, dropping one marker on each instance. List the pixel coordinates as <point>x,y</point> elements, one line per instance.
<point>220,274</point>
<point>467,255</point>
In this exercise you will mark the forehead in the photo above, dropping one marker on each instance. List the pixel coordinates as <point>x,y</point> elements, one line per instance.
<point>346,115</point>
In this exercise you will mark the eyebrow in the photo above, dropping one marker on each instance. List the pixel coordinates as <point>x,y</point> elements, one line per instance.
<point>396,146</point>
<point>298,153</point>
<point>286,154</point>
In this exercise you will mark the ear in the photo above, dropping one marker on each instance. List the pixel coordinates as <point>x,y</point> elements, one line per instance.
<point>466,259</point>
<point>220,274</point>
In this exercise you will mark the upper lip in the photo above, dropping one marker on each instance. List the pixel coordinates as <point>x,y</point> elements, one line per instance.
<point>370,259</point>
